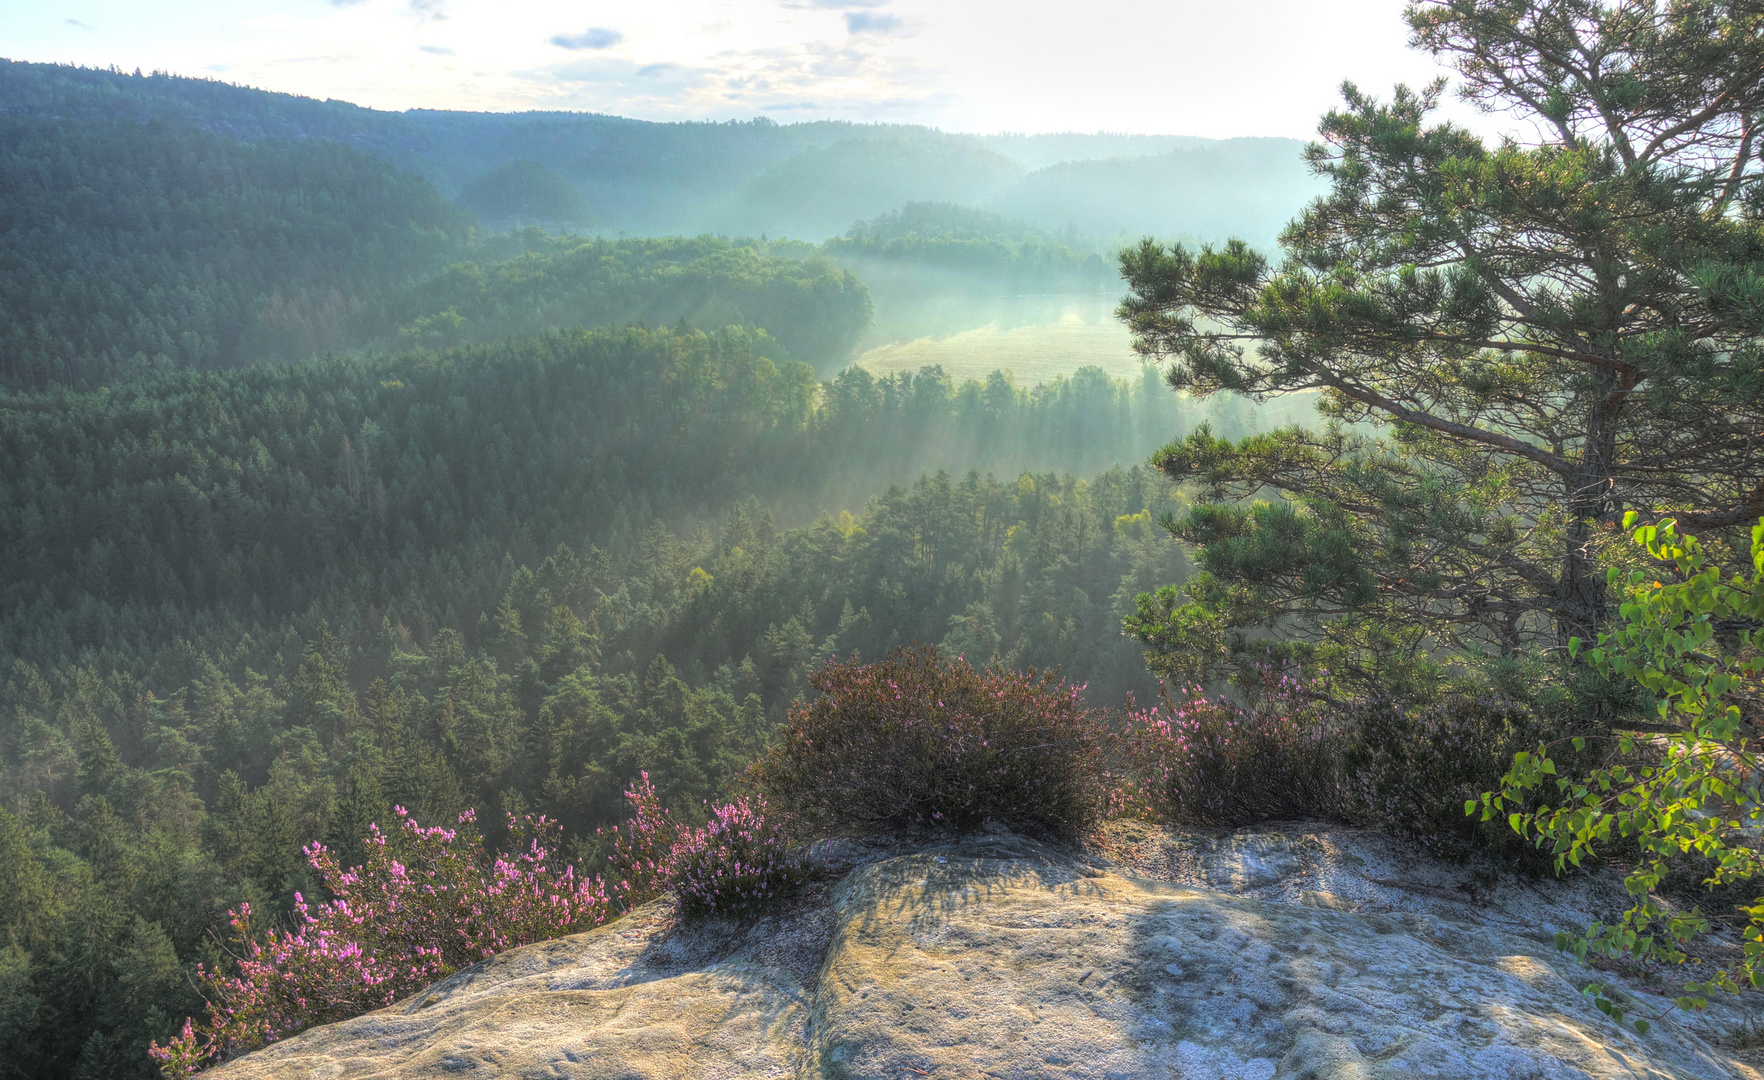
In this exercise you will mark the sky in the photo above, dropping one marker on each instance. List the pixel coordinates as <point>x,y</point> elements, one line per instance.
<point>1215,68</point>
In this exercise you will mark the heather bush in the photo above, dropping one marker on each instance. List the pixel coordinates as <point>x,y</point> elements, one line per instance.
<point>1208,761</point>
<point>735,864</point>
<point>427,902</point>
<point>642,848</point>
<point>918,741</point>
<point>1412,768</point>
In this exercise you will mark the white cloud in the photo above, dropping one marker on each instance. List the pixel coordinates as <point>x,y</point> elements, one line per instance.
<point>595,37</point>
<point>1255,67</point>
<point>871,22</point>
<point>816,78</point>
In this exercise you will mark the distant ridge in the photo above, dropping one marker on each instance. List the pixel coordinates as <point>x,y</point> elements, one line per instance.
<point>806,180</point>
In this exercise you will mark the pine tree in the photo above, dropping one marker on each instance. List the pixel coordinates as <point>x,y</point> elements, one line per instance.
<point>1512,344</point>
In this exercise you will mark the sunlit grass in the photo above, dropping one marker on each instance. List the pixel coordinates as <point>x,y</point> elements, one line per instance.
<point>1032,353</point>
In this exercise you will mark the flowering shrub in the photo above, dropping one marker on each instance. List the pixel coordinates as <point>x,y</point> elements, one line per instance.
<point>1204,761</point>
<point>430,901</point>
<point>736,863</point>
<point>1412,768</point>
<point>642,848</point>
<point>919,741</point>
<point>426,903</point>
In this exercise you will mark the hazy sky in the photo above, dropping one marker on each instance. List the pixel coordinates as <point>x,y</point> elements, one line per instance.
<point>1193,67</point>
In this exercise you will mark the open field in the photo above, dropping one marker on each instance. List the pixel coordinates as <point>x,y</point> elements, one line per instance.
<point>1034,353</point>
<point>1037,352</point>
<point>1036,339</point>
<point>954,323</point>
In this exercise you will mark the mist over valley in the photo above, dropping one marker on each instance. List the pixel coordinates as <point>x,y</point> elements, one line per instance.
<point>436,538</point>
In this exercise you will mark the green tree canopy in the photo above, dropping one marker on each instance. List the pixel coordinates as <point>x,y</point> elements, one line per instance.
<point>1512,343</point>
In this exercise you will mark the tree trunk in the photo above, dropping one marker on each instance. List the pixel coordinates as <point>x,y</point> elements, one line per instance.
<point>1584,602</point>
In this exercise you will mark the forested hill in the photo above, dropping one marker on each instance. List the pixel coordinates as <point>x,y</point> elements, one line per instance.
<point>120,239</point>
<point>962,246</point>
<point>813,309</point>
<point>163,218</point>
<point>161,241</point>
<point>180,511</point>
<point>809,180</point>
<point>248,609</point>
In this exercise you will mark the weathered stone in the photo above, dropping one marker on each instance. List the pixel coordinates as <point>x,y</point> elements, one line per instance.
<point>598,1006</point>
<point>995,956</point>
<point>1006,960</point>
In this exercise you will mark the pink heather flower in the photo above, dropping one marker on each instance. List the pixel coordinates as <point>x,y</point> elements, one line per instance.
<point>390,930</point>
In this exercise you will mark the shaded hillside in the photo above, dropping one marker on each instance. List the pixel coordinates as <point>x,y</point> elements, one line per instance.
<point>813,308</point>
<point>928,248</point>
<point>1040,151</point>
<point>1246,188</point>
<point>524,193</point>
<point>77,94</point>
<point>159,241</point>
<point>821,191</point>
<point>120,239</point>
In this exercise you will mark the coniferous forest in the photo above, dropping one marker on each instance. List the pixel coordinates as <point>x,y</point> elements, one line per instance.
<point>320,496</point>
<point>263,606</point>
<point>360,467</point>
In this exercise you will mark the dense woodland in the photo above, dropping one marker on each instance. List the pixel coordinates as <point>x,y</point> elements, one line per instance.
<point>982,250</point>
<point>122,242</point>
<point>259,606</point>
<point>523,193</point>
<point>318,498</point>
<point>189,505</point>
<point>330,481</point>
<point>119,239</point>
<point>814,309</point>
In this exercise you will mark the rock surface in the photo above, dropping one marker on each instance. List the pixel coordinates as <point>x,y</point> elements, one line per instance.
<point>1300,952</point>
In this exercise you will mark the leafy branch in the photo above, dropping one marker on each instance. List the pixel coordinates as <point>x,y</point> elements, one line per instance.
<point>1693,642</point>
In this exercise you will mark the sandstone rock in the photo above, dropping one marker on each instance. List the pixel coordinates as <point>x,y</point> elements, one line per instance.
<point>612,1003</point>
<point>1322,865</point>
<point>995,956</point>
